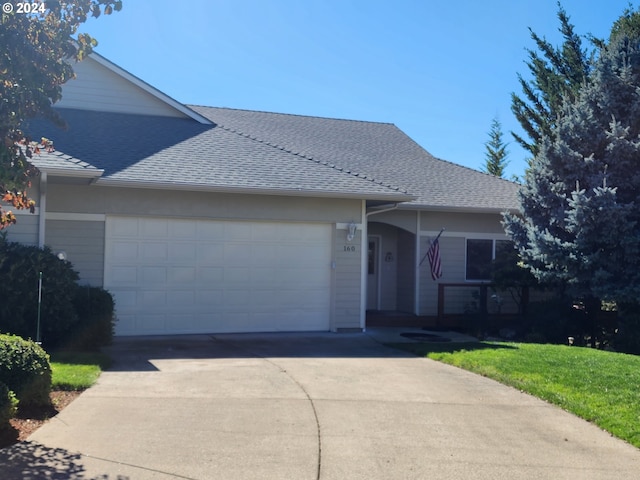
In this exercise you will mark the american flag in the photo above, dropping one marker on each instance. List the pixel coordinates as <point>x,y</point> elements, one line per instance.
<point>434,260</point>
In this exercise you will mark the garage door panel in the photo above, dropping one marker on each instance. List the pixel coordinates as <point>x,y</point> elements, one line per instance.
<point>123,275</point>
<point>150,324</point>
<point>152,300</point>
<point>182,229</point>
<point>154,228</point>
<point>210,254</point>
<point>182,275</point>
<point>209,298</point>
<point>154,251</point>
<point>181,299</point>
<point>124,250</point>
<point>234,231</point>
<point>197,276</point>
<point>238,254</point>
<point>210,230</point>
<point>153,275</point>
<point>210,275</point>
<point>182,252</point>
<point>234,276</point>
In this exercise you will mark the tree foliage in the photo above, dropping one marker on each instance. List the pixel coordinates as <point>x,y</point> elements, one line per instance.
<point>36,55</point>
<point>557,73</point>
<point>580,204</point>
<point>496,151</point>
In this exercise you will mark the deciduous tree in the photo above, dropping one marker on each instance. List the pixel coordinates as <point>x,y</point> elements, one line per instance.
<point>37,51</point>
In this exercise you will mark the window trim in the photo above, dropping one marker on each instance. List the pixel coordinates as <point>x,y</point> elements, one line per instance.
<point>494,241</point>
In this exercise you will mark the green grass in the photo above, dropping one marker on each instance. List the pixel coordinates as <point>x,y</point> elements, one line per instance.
<point>601,387</point>
<point>76,370</point>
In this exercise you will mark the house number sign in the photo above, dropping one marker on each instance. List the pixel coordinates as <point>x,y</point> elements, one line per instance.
<point>349,248</point>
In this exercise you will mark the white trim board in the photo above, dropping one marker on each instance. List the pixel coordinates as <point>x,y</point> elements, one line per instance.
<point>85,217</point>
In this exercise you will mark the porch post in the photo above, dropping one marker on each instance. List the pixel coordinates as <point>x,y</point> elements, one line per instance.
<point>42,209</point>
<point>364,248</point>
<point>417,266</point>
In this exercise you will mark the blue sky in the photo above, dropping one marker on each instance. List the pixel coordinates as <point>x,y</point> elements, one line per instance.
<point>439,70</point>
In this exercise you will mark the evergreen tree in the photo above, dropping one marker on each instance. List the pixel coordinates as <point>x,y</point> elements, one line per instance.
<point>496,151</point>
<point>557,73</point>
<point>580,204</point>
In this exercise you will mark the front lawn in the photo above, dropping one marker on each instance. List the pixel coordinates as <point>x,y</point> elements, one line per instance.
<point>601,387</point>
<point>76,370</point>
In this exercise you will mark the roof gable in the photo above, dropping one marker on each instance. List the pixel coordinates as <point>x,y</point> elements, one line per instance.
<point>103,86</point>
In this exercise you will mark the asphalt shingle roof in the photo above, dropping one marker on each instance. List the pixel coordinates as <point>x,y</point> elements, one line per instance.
<point>182,153</point>
<point>269,152</point>
<point>376,150</point>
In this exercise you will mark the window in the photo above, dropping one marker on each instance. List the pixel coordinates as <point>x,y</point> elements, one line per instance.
<point>480,254</point>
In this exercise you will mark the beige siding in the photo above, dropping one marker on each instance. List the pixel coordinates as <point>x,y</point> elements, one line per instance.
<point>125,201</point>
<point>478,223</point>
<point>25,230</point>
<point>83,242</point>
<point>99,89</point>
<point>458,228</point>
<point>347,284</point>
<point>452,254</point>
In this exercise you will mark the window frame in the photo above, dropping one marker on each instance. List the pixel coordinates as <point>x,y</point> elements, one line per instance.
<point>494,243</point>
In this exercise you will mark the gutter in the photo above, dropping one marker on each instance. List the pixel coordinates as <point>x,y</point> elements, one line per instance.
<point>381,210</point>
<point>108,182</point>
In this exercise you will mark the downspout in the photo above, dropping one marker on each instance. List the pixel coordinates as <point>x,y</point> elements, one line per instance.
<point>43,208</point>
<point>364,260</point>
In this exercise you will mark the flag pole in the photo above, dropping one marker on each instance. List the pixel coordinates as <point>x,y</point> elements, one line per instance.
<point>431,243</point>
<point>441,230</point>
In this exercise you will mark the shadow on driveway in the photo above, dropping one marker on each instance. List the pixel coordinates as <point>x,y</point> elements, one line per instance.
<point>31,460</point>
<point>138,353</point>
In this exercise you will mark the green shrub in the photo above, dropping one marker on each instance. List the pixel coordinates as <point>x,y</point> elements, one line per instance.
<point>25,369</point>
<point>96,318</point>
<point>8,406</point>
<point>20,266</point>
<point>553,321</point>
<point>627,340</point>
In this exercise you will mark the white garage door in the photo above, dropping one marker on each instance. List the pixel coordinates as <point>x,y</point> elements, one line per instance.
<point>201,276</point>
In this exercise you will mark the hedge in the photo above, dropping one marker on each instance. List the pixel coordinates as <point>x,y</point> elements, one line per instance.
<point>8,406</point>
<point>25,369</point>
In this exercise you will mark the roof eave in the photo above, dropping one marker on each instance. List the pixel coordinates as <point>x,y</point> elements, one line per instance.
<point>458,209</point>
<point>392,197</point>
<point>93,173</point>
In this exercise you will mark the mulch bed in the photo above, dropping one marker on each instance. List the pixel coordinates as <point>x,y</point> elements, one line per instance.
<point>28,420</point>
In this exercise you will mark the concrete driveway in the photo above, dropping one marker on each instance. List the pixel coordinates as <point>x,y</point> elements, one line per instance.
<point>306,407</point>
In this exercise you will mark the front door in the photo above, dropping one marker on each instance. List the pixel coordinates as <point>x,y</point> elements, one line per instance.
<point>373,273</point>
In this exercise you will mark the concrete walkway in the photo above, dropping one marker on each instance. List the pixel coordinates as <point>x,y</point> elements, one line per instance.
<point>306,407</point>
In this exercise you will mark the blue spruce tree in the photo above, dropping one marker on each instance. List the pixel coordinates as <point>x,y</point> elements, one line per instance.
<point>579,224</point>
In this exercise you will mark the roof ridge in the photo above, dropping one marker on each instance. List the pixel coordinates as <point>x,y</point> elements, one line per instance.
<point>306,157</point>
<point>291,114</point>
